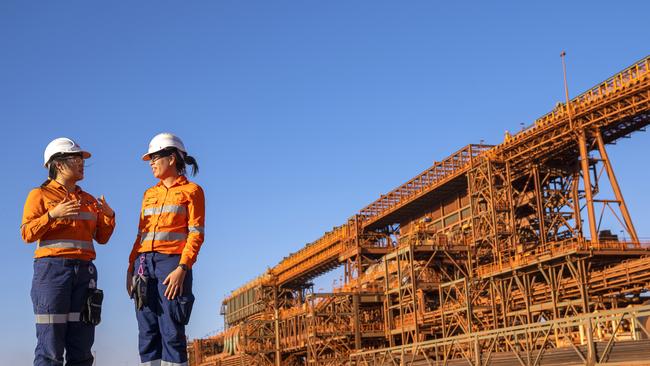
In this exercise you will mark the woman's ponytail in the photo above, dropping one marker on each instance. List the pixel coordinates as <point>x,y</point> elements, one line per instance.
<point>189,160</point>
<point>182,160</point>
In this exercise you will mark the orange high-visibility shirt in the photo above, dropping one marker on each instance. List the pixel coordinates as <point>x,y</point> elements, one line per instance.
<point>70,237</point>
<point>171,221</point>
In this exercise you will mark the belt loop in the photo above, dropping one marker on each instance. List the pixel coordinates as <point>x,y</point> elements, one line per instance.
<point>154,256</point>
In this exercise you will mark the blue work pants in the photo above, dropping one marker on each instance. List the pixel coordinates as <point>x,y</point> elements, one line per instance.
<point>161,323</point>
<point>59,290</point>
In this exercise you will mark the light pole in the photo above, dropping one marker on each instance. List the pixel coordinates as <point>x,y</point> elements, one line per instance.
<point>566,89</point>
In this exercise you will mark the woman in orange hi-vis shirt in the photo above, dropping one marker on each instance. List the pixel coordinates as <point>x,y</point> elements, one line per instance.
<point>65,220</point>
<point>170,234</point>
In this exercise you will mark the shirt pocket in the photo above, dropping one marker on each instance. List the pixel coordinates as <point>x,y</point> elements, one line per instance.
<point>56,223</point>
<point>174,211</point>
<point>88,216</point>
<point>50,205</point>
<point>149,206</point>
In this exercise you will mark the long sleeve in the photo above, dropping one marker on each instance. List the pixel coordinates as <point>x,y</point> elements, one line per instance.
<point>36,220</point>
<point>136,243</point>
<point>195,226</point>
<point>104,229</point>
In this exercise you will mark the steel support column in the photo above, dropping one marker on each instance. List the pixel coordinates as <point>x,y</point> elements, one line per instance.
<point>584,162</point>
<point>616,188</point>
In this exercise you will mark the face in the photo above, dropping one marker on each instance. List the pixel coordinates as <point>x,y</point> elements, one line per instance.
<point>162,166</point>
<point>71,167</point>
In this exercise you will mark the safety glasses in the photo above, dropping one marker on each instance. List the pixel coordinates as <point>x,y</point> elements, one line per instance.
<point>159,155</point>
<point>73,159</point>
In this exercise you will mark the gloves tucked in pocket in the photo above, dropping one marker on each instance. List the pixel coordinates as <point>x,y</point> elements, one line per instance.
<point>139,291</point>
<point>91,312</point>
<point>181,308</point>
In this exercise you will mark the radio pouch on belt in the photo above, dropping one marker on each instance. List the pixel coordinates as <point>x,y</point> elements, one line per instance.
<point>91,312</point>
<point>139,291</point>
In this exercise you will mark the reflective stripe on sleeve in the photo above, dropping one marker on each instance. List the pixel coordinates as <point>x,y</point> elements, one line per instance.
<point>177,209</point>
<point>66,244</point>
<point>57,318</point>
<point>196,229</point>
<point>168,236</point>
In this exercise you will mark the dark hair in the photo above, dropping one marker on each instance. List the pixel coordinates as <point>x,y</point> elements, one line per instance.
<point>52,172</point>
<point>182,160</point>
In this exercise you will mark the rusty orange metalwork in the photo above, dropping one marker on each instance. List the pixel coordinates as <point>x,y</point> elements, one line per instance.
<point>495,255</point>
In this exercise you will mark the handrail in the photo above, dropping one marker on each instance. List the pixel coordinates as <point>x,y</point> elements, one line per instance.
<point>555,249</point>
<point>632,74</point>
<point>562,323</point>
<point>423,182</point>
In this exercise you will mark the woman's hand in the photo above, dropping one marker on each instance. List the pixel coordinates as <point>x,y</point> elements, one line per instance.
<point>104,207</point>
<point>174,282</point>
<point>65,209</point>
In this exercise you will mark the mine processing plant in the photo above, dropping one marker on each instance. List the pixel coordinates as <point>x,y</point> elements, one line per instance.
<point>522,253</point>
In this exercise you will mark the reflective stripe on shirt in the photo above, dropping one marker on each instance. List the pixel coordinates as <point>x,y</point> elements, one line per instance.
<point>67,244</point>
<point>168,236</point>
<point>177,209</point>
<point>91,216</point>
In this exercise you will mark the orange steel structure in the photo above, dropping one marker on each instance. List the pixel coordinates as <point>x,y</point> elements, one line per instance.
<point>523,253</point>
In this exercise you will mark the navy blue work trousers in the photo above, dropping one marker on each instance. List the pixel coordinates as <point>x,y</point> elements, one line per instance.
<point>59,289</point>
<point>161,323</point>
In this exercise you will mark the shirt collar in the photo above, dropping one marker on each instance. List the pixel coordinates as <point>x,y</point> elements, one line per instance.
<point>180,180</point>
<point>56,185</point>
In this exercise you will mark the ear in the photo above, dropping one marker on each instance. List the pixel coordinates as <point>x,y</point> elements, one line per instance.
<point>58,166</point>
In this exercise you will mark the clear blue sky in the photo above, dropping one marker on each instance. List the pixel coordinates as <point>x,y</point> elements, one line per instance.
<point>299,112</point>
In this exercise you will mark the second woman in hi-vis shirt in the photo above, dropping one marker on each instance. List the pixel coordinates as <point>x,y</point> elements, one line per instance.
<point>170,234</point>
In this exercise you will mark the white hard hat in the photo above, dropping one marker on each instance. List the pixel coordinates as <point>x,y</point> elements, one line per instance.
<point>62,145</point>
<point>162,141</point>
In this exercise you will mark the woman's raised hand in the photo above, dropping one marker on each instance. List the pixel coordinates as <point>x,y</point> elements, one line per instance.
<point>104,207</point>
<point>66,208</point>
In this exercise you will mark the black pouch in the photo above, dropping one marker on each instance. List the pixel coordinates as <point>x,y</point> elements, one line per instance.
<point>91,312</point>
<point>181,308</point>
<point>139,291</point>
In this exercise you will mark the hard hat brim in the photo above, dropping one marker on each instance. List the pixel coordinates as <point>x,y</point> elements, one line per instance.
<point>84,154</point>
<point>147,156</point>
